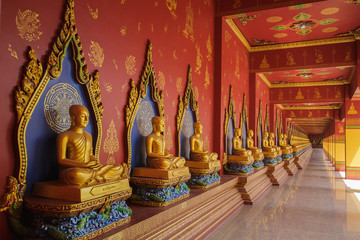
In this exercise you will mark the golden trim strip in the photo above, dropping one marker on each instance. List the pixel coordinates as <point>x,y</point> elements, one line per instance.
<point>237,32</point>
<point>311,107</point>
<point>266,81</point>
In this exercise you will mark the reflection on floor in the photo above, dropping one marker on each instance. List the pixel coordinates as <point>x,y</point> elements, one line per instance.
<point>313,204</point>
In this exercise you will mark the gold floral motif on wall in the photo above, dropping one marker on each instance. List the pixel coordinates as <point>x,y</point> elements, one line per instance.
<point>13,53</point>
<point>139,26</point>
<point>174,55</point>
<point>118,112</point>
<point>199,58</point>
<point>290,59</point>
<point>169,139</point>
<point>207,77</point>
<point>111,143</point>
<point>264,63</point>
<point>196,93</point>
<point>179,84</point>
<point>227,36</point>
<point>171,5</point>
<point>206,143</point>
<point>108,87</point>
<point>310,114</point>
<point>94,14</point>
<point>237,4</point>
<point>161,80</point>
<point>123,31</point>
<point>96,54</point>
<point>115,64</point>
<point>337,92</point>
<point>281,95</point>
<point>28,24</point>
<point>319,56</point>
<point>327,114</point>
<point>299,95</point>
<point>123,2</point>
<point>209,48</point>
<point>189,25</point>
<point>352,109</point>
<point>348,54</point>
<point>130,65</point>
<point>341,128</point>
<point>237,66</point>
<point>292,114</point>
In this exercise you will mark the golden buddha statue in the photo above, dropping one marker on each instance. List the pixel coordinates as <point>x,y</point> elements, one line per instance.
<point>197,152</point>
<point>155,148</point>
<point>286,149</point>
<point>256,152</point>
<point>237,145</point>
<point>272,144</point>
<point>269,152</point>
<point>78,165</point>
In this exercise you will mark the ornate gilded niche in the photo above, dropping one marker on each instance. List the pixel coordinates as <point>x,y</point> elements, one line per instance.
<point>244,122</point>
<point>229,125</point>
<point>42,101</point>
<point>259,127</point>
<point>203,169</point>
<point>152,186</point>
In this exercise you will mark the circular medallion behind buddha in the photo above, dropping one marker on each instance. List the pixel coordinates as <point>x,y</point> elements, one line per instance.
<point>144,116</point>
<point>56,106</point>
<point>188,128</point>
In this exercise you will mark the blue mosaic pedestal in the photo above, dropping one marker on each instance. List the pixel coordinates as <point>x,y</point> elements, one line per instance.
<point>270,161</point>
<point>204,181</point>
<point>258,165</point>
<point>241,170</point>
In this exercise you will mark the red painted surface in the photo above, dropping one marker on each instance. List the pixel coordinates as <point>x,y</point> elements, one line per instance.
<point>329,18</point>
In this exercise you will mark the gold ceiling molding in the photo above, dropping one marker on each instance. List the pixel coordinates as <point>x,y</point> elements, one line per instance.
<point>305,84</point>
<point>280,106</point>
<point>310,43</point>
<point>311,107</point>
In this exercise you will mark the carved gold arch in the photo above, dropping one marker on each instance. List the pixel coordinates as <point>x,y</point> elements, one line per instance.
<point>229,114</point>
<point>276,132</point>
<point>136,94</point>
<point>183,105</point>
<point>259,121</point>
<point>281,123</point>
<point>244,116</point>
<point>267,122</point>
<point>36,78</point>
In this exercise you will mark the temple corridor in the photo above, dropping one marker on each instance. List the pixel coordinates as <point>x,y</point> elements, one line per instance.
<point>316,203</point>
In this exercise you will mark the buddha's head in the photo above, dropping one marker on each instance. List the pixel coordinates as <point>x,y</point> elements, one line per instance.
<point>237,132</point>
<point>158,124</point>
<point>250,133</point>
<point>198,128</point>
<point>79,116</point>
<point>266,134</point>
<point>272,135</point>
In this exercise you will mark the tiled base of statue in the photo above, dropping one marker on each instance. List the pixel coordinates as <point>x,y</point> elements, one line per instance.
<point>258,165</point>
<point>238,170</point>
<point>206,181</point>
<point>270,161</point>
<point>158,197</point>
<point>290,166</point>
<point>277,173</point>
<point>287,156</point>
<point>278,158</point>
<point>86,225</point>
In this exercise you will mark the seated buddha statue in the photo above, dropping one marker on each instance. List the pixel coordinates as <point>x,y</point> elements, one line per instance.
<point>256,152</point>
<point>197,152</point>
<point>237,145</point>
<point>269,152</point>
<point>155,148</point>
<point>272,144</point>
<point>78,165</point>
<point>286,149</point>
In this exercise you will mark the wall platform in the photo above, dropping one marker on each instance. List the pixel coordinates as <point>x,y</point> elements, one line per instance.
<point>290,166</point>
<point>193,217</point>
<point>254,185</point>
<point>301,160</point>
<point>277,173</point>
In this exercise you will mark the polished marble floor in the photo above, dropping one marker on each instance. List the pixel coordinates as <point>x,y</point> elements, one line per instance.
<point>313,204</point>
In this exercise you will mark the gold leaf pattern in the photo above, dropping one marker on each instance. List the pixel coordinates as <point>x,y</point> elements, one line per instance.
<point>152,27</point>
<point>94,14</point>
<point>115,64</point>
<point>118,112</point>
<point>166,28</point>
<point>179,84</point>
<point>123,2</point>
<point>171,5</point>
<point>196,93</point>
<point>139,26</point>
<point>174,55</point>
<point>169,139</point>
<point>290,59</point>
<point>207,77</point>
<point>189,25</point>
<point>130,65</point>
<point>206,143</point>
<point>108,87</point>
<point>198,59</point>
<point>209,48</point>
<point>237,4</point>
<point>123,87</point>
<point>161,80</point>
<point>123,31</point>
<point>237,66</point>
<point>28,24</point>
<point>96,54</point>
<point>111,143</point>
<point>13,53</point>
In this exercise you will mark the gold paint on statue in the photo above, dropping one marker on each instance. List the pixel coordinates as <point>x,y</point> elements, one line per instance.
<point>94,14</point>
<point>286,149</point>
<point>28,24</point>
<point>299,95</point>
<point>352,109</point>
<point>269,152</point>
<point>155,148</point>
<point>12,198</point>
<point>130,65</point>
<point>96,54</point>
<point>13,53</point>
<point>78,164</point>
<point>198,153</point>
<point>264,63</point>
<point>111,143</point>
<point>273,145</point>
<point>189,25</point>
<point>256,152</point>
<point>290,59</point>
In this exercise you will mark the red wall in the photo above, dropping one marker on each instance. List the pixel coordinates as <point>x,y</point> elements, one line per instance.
<point>121,29</point>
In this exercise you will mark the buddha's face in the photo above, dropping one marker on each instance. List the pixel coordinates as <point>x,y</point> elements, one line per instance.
<point>250,133</point>
<point>237,132</point>
<point>159,124</point>
<point>198,128</point>
<point>81,117</point>
<point>271,135</point>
